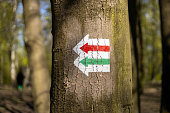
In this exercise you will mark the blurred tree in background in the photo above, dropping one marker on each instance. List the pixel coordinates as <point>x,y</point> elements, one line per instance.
<point>137,52</point>
<point>150,23</point>
<point>165,32</point>
<point>34,43</point>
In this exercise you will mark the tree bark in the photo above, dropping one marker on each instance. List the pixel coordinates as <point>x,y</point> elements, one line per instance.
<point>99,92</point>
<point>34,43</point>
<point>165,28</point>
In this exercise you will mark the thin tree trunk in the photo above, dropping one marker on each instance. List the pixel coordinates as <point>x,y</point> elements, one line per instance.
<point>72,91</point>
<point>141,48</point>
<point>135,94</point>
<point>34,43</point>
<point>165,28</point>
<point>152,57</point>
<point>13,66</point>
<point>2,74</point>
<point>27,78</point>
<point>154,30</point>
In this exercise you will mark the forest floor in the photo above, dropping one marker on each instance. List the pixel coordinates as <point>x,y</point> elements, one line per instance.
<point>151,97</point>
<point>13,101</point>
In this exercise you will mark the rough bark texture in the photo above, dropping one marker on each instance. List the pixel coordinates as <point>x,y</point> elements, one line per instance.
<point>71,90</point>
<point>165,28</point>
<point>37,58</point>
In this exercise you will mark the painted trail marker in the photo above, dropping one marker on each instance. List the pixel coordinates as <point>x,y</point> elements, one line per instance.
<point>94,55</point>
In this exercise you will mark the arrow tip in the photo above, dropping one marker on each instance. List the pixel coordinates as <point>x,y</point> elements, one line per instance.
<point>79,47</point>
<point>85,48</point>
<point>84,62</point>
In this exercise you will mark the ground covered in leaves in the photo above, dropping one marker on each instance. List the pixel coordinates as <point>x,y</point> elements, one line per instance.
<point>151,97</point>
<point>13,101</point>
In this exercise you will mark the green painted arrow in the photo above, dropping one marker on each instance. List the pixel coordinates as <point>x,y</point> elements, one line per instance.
<point>87,61</point>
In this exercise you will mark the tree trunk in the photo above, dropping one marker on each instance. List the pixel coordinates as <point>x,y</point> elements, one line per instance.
<point>27,78</point>
<point>73,89</point>
<point>2,73</point>
<point>133,18</point>
<point>34,43</point>
<point>13,68</point>
<point>140,47</point>
<point>13,64</point>
<point>135,91</point>
<point>152,59</point>
<point>165,28</point>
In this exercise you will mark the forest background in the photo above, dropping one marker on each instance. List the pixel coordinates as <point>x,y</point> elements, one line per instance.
<point>14,57</point>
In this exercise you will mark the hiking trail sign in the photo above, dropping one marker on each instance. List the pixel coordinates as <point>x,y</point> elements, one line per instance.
<point>94,55</point>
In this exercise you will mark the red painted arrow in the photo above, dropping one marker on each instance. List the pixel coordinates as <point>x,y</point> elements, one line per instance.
<point>87,48</point>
